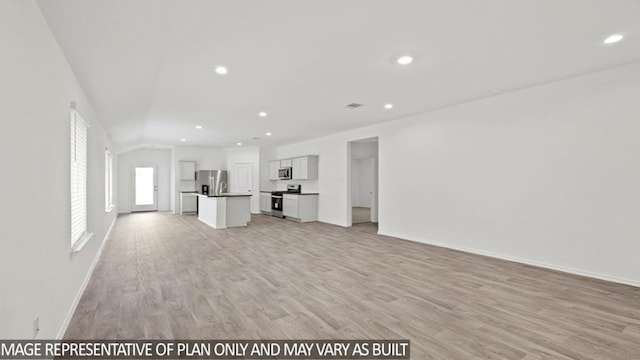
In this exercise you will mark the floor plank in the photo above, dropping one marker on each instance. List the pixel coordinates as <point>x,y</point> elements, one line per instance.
<point>360,215</point>
<point>166,276</point>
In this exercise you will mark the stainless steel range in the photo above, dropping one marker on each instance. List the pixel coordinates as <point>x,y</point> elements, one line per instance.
<point>276,198</point>
<point>276,204</point>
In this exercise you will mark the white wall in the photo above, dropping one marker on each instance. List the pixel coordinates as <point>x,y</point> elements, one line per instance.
<point>547,175</point>
<point>39,276</point>
<point>161,159</point>
<point>267,154</point>
<point>245,154</point>
<point>207,158</point>
<point>356,181</point>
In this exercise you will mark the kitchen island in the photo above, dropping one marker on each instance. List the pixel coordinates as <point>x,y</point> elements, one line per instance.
<point>224,210</point>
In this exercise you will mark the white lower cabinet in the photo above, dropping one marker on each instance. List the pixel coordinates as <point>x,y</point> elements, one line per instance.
<point>290,206</point>
<point>300,207</point>
<point>188,203</point>
<point>265,202</point>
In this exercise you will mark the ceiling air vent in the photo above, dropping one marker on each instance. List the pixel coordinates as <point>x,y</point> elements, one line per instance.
<point>353,105</point>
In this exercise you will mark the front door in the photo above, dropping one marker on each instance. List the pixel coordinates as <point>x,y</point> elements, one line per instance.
<point>145,189</point>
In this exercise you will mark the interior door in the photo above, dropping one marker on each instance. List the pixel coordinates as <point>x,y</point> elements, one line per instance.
<point>373,199</point>
<point>145,189</point>
<point>243,178</point>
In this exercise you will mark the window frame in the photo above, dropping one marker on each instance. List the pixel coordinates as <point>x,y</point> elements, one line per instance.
<point>108,181</point>
<point>78,171</point>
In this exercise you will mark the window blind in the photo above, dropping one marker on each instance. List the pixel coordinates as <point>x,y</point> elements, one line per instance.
<point>78,178</point>
<point>108,180</point>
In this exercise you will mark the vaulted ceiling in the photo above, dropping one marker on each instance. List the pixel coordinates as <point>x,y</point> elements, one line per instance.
<point>147,66</point>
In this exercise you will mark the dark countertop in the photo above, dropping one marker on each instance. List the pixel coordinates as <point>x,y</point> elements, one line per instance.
<point>188,192</point>
<point>224,195</point>
<point>285,192</point>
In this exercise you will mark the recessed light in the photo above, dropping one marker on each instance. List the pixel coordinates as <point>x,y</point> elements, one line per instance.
<point>239,143</point>
<point>388,106</point>
<point>613,38</point>
<point>221,70</point>
<point>183,139</point>
<point>198,127</point>
<point>405,60</point>
<point>262,114</point>
<point>268,134</point>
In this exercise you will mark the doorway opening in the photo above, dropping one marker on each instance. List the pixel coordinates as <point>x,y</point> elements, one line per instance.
<point>363,183</point>
<point>145,189</point>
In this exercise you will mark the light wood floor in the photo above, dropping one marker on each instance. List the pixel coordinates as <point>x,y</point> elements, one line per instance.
<point>164,276</point>
<point>360,215</point>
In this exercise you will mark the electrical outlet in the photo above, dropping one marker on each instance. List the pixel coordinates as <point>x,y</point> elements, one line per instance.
<point>36,326</point>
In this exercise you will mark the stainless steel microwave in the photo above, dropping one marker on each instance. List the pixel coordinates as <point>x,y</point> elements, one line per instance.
<point>284,173</point>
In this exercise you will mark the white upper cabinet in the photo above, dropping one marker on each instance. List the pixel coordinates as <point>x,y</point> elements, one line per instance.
<point>299,168</point>
<point>187,170</point>
<point>274,166</point>
<point>304,168</point>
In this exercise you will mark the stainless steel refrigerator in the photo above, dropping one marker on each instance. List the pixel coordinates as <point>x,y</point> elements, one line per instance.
<point>215,180</point>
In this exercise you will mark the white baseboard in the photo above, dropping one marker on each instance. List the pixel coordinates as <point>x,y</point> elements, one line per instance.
<point>83,286</point>
<point>210,224</point>
<point>517,259</point>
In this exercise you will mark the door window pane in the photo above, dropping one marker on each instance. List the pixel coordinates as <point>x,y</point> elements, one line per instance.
<point>144,185</point>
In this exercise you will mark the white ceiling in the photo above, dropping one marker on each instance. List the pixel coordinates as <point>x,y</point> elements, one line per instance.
<point>147,65</point>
